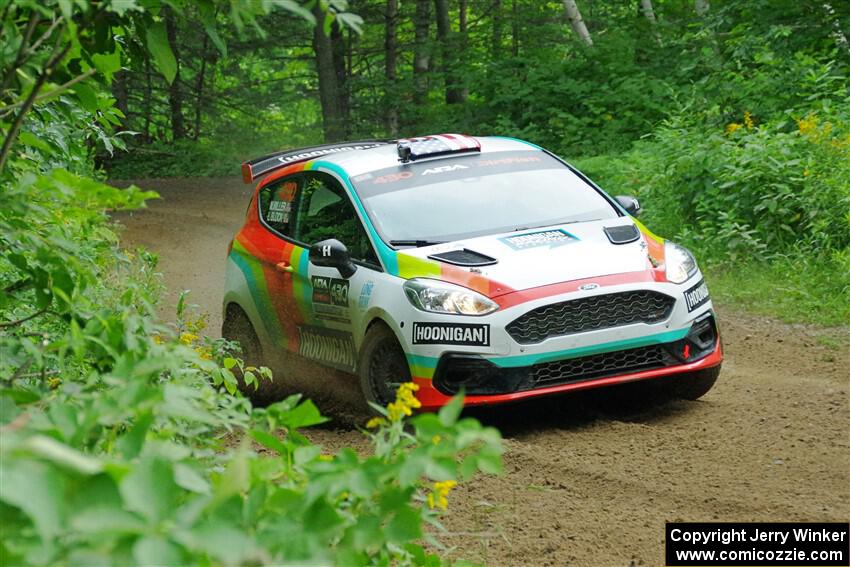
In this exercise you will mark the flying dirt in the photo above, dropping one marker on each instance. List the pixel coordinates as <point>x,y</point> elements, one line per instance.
<point>591,479</point>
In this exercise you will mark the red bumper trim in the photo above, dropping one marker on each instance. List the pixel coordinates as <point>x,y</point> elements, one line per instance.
<point>432,399</point>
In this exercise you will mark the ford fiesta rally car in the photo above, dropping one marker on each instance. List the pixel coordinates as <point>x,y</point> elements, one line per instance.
<point>486,265</point>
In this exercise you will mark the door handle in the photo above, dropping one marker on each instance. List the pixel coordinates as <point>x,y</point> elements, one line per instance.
<point>284,267</point>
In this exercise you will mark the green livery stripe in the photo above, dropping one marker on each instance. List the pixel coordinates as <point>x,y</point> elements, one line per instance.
<point>645,230</point>
<point>415,267</point>
<point>535,146</point>
<point>421,366</point>
<point>529,359</point>
<point>253,273</point>
<point>424,366</point>
<point>300,259</point>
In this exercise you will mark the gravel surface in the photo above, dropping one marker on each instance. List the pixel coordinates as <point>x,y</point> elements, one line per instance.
<point>590,479</point>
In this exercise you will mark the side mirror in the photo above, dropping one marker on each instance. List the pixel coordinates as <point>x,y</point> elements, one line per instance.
<point>332,253</point>
<point>631,204</point>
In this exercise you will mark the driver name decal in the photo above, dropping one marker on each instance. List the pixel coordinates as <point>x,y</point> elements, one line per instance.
<point>462,334</point>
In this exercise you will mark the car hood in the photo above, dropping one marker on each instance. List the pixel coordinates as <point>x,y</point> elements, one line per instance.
<point>537,257</point>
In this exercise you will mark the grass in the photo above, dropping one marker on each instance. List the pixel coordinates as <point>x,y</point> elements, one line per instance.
<point>792,289</point>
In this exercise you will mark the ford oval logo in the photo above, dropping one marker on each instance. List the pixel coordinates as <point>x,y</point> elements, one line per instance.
<point>588,286</point>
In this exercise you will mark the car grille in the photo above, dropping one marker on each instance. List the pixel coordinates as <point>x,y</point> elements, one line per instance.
<point>589,314</point>
<point>600,365</point>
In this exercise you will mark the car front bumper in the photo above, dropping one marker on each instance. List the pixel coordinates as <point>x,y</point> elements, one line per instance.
<point>685,341</point>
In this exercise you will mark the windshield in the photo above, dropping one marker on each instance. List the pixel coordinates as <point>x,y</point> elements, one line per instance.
<point>473,195</point>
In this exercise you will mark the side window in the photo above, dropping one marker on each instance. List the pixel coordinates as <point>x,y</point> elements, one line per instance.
<point>277,205</point>
<point>324,211</point>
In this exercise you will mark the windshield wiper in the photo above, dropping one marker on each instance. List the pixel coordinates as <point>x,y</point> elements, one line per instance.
<point>417,243</point>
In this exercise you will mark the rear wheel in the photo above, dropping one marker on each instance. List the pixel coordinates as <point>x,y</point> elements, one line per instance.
<point>694,385</point>
<point>383,365</point>
<point>238,328</point>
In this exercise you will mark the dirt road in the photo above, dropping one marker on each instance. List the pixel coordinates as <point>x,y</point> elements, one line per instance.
<point>591,479</point>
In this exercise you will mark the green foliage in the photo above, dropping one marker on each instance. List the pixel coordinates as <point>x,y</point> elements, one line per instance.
<point>765,206</point>
<point>794,288</point>
<point>125,440</point>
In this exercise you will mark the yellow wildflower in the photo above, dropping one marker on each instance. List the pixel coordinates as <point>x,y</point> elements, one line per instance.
<point>204,352</point>
<point>54,382</point>
<point>436,439</point>
<point>807,125</point>
<point>748,120</point>
<point>188,338</point>
<point>405,402</point>
<point>806,173</point>
<point>375,422</point>
<point>439,496</point>
<point>157,339</point>
<point>732,128</point>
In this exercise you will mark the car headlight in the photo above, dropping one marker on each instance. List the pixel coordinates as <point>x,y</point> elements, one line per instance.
<point>681,264</point>
<point>441,297</point>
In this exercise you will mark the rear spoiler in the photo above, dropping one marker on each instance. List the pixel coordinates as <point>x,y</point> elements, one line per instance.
<point>258,167</point>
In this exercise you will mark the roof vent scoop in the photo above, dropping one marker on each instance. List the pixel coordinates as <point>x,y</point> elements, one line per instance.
<point>464,257</point>
<point>622,234</point>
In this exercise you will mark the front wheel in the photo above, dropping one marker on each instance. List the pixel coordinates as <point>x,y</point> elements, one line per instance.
<point>383,365</point>
<point>694,385</point>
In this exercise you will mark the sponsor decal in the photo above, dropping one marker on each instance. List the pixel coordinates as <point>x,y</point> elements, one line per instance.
<point>443,169</point>
<point>329,347</point>
<point>508,161</point>
<point>330,298</point>
<point>330,291</point>
<point>588,286</point>
<point>393,177</point>
<point>550,238</point>
<point>696,296</point>
<point>365,295</point>
<point>451,334</point>
<point>324,152</point>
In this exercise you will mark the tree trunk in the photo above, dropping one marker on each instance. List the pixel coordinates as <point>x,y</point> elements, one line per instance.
<point>339,48</point>
<point>119,91</point>
<point>148,98</point>
<point>332,120</point>
<point>702,7</point>
<point>574,16</point>
<point>648,12</point>
<point>175,93</point>
<point>462,11</point>
<point>421,59</point>
<point>463,31</point>
<point>199,88</point>
<point>390,66</point>
<point>514,29</point>
<point>496,44</point>
<point>837,33</point>
<point>448,49</point>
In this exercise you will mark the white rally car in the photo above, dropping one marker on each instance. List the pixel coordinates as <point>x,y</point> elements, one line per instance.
<point>486,265</point>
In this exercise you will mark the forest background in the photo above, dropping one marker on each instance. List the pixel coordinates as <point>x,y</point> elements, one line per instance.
<point>123,437</point>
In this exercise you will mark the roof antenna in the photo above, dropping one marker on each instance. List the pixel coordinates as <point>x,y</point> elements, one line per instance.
<point>404,152</point>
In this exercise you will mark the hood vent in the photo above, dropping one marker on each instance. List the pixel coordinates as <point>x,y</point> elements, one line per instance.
<point>622,234</point>
<point>464,257</point>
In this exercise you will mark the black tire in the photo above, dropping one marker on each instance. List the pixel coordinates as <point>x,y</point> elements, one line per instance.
<point>694,385</point>
<point>238,328</point>
<point>382,366</point>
